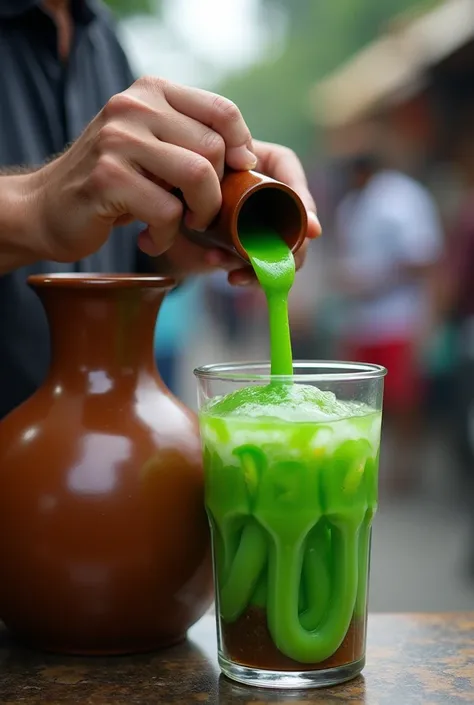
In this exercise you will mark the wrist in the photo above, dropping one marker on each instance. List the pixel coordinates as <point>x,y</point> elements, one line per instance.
<point>20,232</point>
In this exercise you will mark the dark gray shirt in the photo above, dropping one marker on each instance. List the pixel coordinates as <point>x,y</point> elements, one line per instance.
<point>44,105</point>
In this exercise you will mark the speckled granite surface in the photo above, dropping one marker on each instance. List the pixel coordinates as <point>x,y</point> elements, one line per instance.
<point>412,660</point>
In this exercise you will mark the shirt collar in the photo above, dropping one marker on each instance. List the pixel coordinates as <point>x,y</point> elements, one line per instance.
<point>82,9</point>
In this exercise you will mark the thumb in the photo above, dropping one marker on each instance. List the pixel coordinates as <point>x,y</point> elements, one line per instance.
<point>148,240</point>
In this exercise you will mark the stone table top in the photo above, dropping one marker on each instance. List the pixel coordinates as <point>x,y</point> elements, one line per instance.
<point>412,659</point>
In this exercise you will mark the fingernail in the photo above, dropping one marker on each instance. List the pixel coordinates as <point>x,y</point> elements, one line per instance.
<point>189,223</point>
<point>314,218</point>
<point>248,158</point>
<point>252,159</point>
<point>243,282</point>
<point>146,243</point>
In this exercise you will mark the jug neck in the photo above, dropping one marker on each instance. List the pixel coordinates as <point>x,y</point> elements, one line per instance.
<point>101,334</point>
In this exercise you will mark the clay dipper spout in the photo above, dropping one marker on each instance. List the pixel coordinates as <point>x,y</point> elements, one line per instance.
<point>253,202</point>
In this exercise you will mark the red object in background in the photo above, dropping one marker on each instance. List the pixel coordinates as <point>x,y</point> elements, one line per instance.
<point>403,384</point>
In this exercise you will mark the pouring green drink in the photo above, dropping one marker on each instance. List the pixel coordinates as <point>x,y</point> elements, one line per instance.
<point>291,460</point>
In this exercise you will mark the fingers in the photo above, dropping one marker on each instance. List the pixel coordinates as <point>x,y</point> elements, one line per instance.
<point>141,110</point>
<point>221,259</point>
<point>205,260</point>
<point>238,275</point>
<point>185,255</point>
<point>183,131</point>
<point>300,255</point>
<point>314,226</point>
<point>125,191</point>
<point>283,165</point>
<point>174,136</point>
<point>181,168</point>
<point>245,276</point>
<point>221,115</point>
<point>144,106</point>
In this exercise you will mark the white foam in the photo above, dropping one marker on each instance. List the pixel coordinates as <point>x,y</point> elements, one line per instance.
<point>292,403</point>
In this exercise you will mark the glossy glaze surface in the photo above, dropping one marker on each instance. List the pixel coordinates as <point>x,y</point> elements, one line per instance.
<point>104,544</point>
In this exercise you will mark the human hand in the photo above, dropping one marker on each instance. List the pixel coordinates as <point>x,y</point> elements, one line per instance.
<point>280,163</point>
<point>151,138</point>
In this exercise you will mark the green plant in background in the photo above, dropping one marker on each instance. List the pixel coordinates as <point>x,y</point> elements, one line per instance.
<point>273,95</point>
<point>122,8</point>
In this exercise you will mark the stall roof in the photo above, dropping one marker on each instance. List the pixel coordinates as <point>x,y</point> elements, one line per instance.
<point>393,65</point>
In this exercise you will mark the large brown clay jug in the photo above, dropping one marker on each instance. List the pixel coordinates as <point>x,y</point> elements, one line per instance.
<point>104,544</point>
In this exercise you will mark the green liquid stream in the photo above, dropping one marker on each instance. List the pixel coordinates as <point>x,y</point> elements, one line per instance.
<point>274,265</point>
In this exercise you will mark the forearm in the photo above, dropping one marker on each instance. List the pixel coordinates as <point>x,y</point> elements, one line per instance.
<point>19,245</point>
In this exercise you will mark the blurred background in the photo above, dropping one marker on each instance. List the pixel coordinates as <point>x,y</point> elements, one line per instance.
<point>377,100</point>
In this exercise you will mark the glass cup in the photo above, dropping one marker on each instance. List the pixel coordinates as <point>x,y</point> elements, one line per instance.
<point>290,501</point>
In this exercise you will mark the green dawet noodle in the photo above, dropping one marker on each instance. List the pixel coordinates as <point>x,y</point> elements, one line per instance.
<point>290,500</point>
<point>293,537</point>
